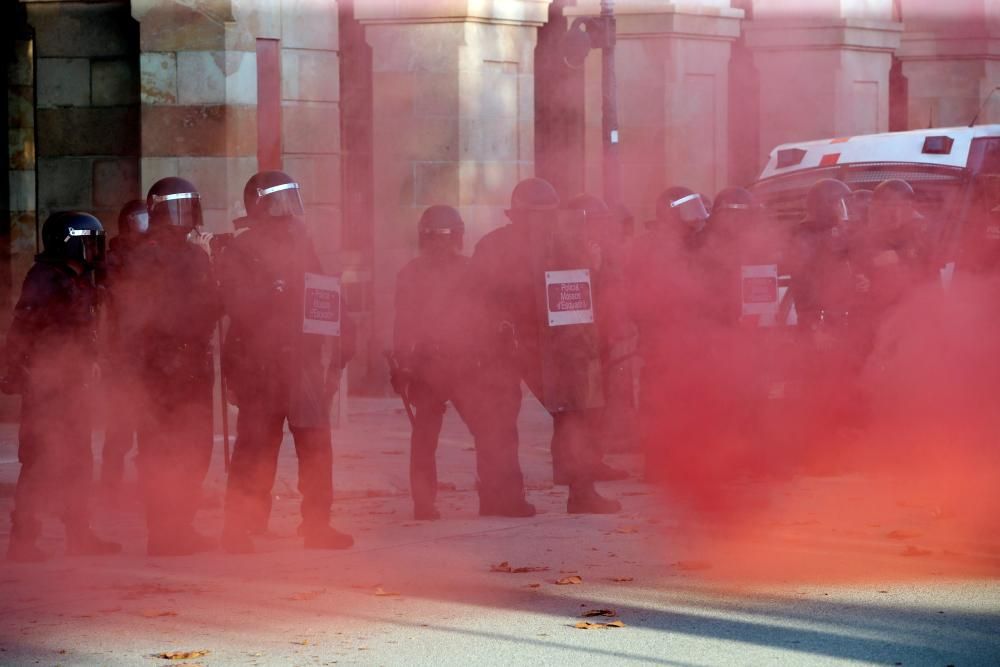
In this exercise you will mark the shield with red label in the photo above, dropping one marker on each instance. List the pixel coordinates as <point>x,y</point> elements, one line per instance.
<point>760,295</point>
<point>566,264</point>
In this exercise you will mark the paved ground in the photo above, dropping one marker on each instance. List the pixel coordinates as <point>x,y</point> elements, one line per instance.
<point>800,583</point>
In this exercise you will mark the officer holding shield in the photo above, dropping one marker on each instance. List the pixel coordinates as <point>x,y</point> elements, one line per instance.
<point>279,368</point>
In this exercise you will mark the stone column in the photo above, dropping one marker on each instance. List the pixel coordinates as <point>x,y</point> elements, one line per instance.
<point>453,119</point>
<point>825,73</point>
<point>672,66</point>
<point>950,59</point>
<point>198,101</point>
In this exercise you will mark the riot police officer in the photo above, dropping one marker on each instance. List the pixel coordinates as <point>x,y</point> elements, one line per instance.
<point>121,418</point>
<point>168,304</point>
<point>436,354</point>
<point>506,275</point>
<point>276,371</point>
<point>51,356</point>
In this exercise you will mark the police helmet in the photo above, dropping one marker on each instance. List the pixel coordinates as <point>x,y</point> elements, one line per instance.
<point>441,222</point>
<point>893,191</point>
<point>72,235</point>
<point>826,203</point>
<point>272,194</point>
<point>735,198</point>
<point>133,219</point>
<point>593,207</point>
<point>534,194</point>
<point>680,204</point>
<point>174,202</point>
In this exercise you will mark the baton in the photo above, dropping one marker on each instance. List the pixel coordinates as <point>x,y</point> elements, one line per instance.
<point>394,367</point>
<point>224,402</point>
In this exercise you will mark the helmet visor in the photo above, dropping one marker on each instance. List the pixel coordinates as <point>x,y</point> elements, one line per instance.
<point>690,210</point>
<point>182,209</point>
<point>87,245</point>
<point>280,201</point>
<point>138,223</point>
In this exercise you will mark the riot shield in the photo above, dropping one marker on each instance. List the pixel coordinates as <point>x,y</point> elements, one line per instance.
<point>564,265</point>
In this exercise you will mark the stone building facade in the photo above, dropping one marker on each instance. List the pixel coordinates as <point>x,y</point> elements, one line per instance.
<point>383,107</point>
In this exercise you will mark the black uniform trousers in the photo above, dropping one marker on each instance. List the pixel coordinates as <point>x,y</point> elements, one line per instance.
<point>252,471</point>
<point>175,441</point>
<point>489,403</point>
<point>56,459</point>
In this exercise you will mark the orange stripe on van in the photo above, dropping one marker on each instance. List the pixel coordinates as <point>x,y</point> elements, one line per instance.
<point>829,160</point>
<point>842,140</point>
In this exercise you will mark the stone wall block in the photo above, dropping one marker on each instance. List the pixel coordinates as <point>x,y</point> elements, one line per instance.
<point>312,76</point>
<point>201,78</point>
<point>170,26</point>
<point>435,182</point>
<point>318,176</point>
<point>63,82</point>
<point>241,77</point>
<point>158,78</point>
<point>113,83</point>
<point>198,130</point>
<point>115,182</point>
<point>487,183</point>
<point>435,94</point>
<point>22,190</point>
<point>307,24</point>
<point>310,127</point>
<point>87,131</point>
<point>65,183</point>
<point>155,168</point>
<point>80,29</point>
<point>209,176</point>
<point>21,148</point>
<point>438,136</point>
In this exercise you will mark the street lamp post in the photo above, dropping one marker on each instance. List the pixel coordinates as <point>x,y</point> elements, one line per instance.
<point>612,170</point>
<point>599,32</point>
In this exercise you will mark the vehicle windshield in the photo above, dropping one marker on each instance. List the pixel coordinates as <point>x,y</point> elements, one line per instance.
<point>938,188</point>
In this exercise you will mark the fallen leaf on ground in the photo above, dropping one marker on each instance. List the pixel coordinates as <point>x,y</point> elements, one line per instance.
<point>590,613</point>
<point>916,551</point>
<point>533,586</point>
<point>692,565</point>
<point>508,568</point>
<point>626,530</point>
<point>381,592</point>
<point>566,581</point>
<point>182,655</point>
<point>303,642</point>
<point>587,625</point>
<point>156,613</point>
<point>902,535</point>
<point>307,595</point>
<point>622,580</point>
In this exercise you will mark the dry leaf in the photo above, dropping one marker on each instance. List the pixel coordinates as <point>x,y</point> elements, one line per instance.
<point>523,570</point>
<point>155,613</point>
<point>533,586</point>
<point>587,625</point>
<point>500,567</point>
<point>182,655</point>
<point>626,530</point>
<point>506,567</point>
<point>902,535</point>
<point>916,551</point>
<point>590,613</point>
<point>692,565</point>
<point>381,592</point>
<point>566,581</point>
<point>622,580</point>
<point>307,595</point>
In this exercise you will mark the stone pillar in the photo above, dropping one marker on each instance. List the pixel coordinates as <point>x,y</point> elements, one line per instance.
<point>672,66</point>
<point>825,73</point>
<point>198,94</point>
<point>453,122</point>
<point>949,57</point>
<point>20,173</point>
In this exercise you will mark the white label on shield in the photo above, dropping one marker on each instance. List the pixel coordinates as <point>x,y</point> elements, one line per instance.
<point>759,292</point>
<point>569,298</point>
<point>322,305</point>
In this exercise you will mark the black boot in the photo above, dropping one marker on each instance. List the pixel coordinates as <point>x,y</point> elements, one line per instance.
<point>518,508</point>
<point>322,536</point>
<point>24,534</point>
<point>584,499</point>
<point>426,513</point>
<point>83,542</point>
